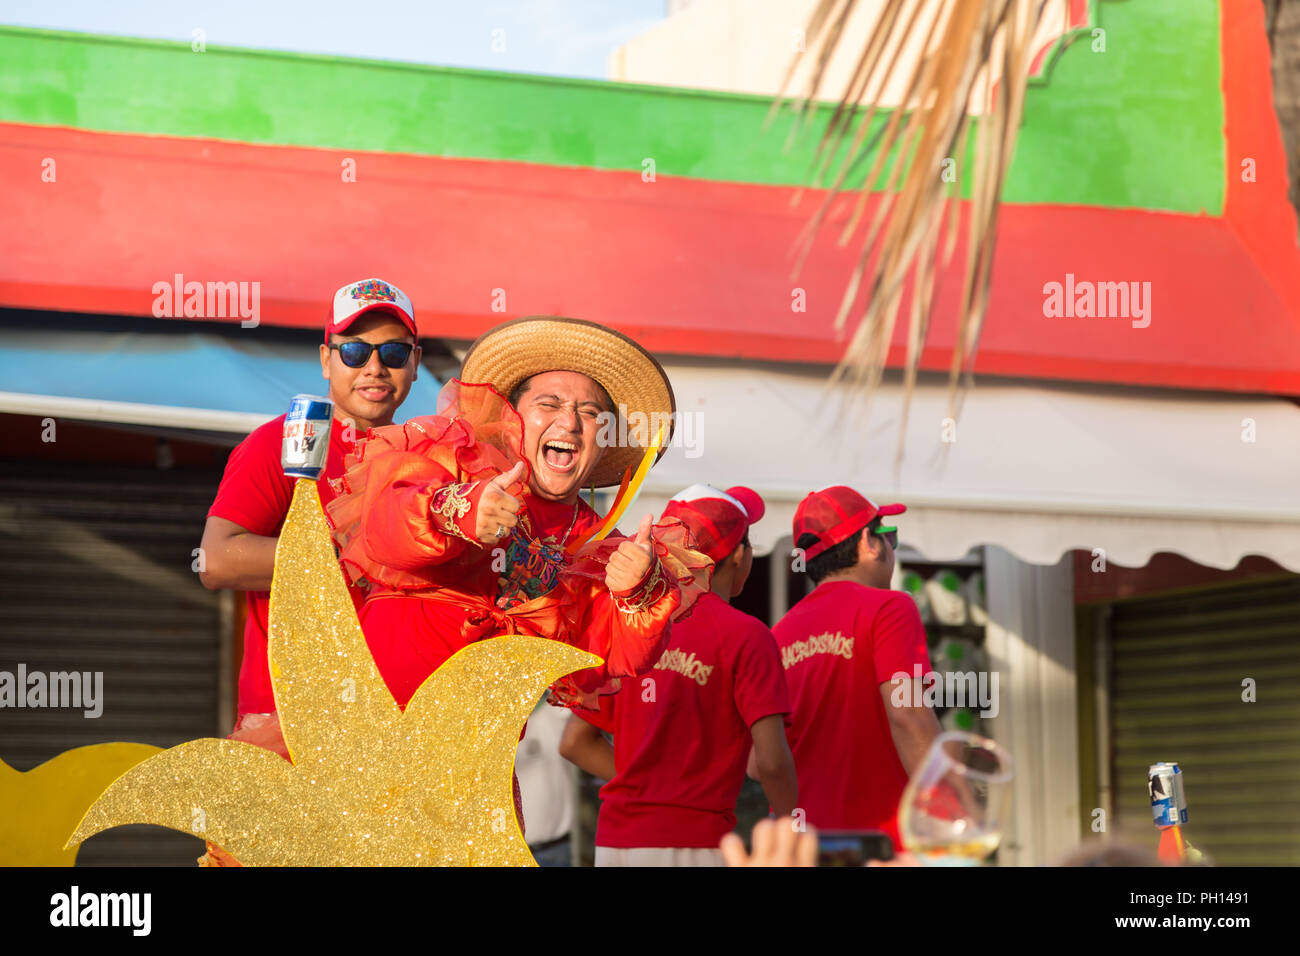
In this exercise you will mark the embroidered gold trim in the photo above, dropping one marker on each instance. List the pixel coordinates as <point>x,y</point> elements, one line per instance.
<point>451,503</point>
<point>650,592</point>
<point>454,529</point>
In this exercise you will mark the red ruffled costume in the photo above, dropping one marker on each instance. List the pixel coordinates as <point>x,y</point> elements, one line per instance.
<point>404,522</point>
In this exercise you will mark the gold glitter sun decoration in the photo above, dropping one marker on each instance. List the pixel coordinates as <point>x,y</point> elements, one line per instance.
<point>369,785</point>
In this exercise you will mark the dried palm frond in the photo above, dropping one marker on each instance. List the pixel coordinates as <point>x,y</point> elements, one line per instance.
<point>971,51</point>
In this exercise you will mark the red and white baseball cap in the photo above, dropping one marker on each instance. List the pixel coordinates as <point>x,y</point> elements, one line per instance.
<point>835,514</point>
<point>358,298</point>
<point>717,519</point>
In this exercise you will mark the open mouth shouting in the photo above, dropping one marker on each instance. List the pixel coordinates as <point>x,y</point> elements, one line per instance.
<point>560,456</point>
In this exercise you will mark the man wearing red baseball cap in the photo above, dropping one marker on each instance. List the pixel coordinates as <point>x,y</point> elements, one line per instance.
<point>684,731</point>
<point>370,358</point>
<point>840,647</point>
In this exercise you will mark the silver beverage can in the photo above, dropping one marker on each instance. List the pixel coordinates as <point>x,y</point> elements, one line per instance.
<point>1165,787</point>
<point>306,442</point>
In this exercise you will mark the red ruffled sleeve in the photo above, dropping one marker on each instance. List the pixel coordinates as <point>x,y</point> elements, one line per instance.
<point>406,502</point>
<point>631,633</point>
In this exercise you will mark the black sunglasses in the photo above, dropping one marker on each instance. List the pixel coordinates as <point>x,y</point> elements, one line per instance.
<point>889,534</point>
<point>357,354</point>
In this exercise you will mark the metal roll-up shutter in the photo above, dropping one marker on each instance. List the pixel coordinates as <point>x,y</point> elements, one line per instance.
<point>1178,667</point>
<point>95,576</point>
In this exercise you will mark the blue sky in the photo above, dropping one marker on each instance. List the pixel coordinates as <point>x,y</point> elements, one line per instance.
<point>559,37</point>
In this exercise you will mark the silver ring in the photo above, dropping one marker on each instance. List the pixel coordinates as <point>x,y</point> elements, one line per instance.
<point>501,531</point>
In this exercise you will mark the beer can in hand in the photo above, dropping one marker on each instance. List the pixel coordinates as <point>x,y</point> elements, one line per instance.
<point>306,436</point>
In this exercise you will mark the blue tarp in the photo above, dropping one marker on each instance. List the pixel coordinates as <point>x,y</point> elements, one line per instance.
<point>184,370</point>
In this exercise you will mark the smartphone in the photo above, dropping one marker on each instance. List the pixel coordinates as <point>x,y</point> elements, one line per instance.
<point>853,847</point>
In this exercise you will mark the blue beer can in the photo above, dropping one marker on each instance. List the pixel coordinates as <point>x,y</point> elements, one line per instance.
<point>306,442</point>
<point>1165,787</point>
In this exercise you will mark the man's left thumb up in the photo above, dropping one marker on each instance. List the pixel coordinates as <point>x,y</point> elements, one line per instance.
<point>643,532</point>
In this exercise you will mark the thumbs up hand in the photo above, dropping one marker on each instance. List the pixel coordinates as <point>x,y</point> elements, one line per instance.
<point>498,510</point>
<point>629,564</point>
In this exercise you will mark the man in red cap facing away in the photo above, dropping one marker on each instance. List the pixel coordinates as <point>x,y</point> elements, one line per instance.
<point>840,647</point>
<point>684,731</point>
<point>370,358</point>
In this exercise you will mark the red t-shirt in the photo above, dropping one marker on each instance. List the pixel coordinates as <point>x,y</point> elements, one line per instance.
<point>255,494</point>
<point>681,731</point>
<point>838,645</point>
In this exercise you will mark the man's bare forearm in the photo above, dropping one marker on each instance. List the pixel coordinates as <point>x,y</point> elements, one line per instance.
<point>596,757</point>
<point>236,559</point>
<point>773,764</point>
<point>912,727</point>
<point>912,734</point>
<point>782,789</point>
<point>585,746</point>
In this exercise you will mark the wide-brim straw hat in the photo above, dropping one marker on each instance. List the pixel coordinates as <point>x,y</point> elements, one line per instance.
<point>513,351</point>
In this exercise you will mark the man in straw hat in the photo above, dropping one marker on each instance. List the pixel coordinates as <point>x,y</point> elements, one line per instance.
<point>469,524</point>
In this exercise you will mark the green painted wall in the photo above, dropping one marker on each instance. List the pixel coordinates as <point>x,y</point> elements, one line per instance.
<point>1136,126</point>
<point>1140,124</point>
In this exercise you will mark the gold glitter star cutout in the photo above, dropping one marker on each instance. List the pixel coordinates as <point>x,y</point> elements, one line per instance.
<point>369,785</point>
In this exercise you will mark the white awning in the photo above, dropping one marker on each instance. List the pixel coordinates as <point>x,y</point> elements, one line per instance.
<point>1038,469</point>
